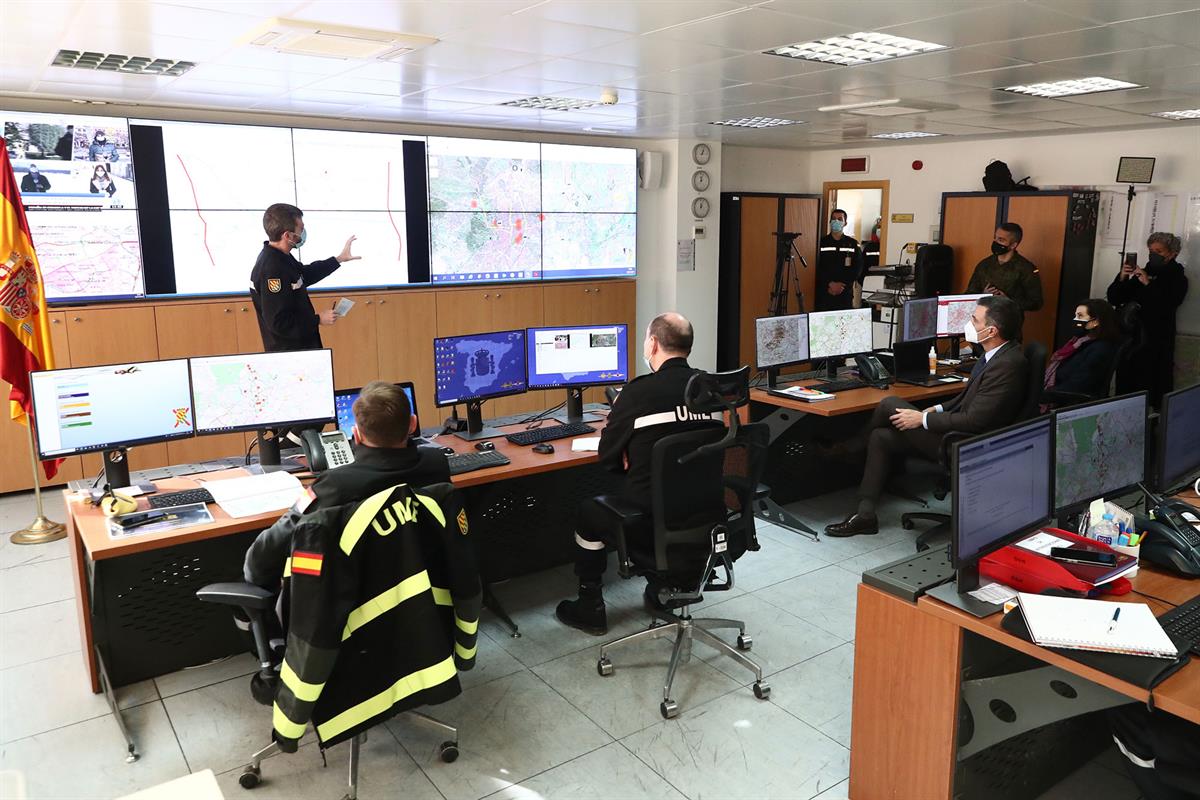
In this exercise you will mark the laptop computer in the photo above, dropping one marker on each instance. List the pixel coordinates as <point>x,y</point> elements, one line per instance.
<point>343,403</point>
<point>912,363</point>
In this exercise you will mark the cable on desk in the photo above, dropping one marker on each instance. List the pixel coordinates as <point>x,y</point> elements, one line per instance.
<point>1153,597</point>
<point>253,444</point>
<point>540,417</point>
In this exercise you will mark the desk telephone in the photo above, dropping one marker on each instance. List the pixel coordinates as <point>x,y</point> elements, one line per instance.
<point>872,371</point>
<point>326,450</point>
<point>1173,542</point>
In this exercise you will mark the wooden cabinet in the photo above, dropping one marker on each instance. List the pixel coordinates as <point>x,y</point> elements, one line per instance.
<point>112,335</point>
<point>596,303</point>
<point>355,344</point>
<point>406,325</point>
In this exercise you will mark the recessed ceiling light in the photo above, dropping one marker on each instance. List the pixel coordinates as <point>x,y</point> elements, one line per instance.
<point>1187,113</point>
<point>552,103</point>
<point>1072,87</point>
<point>856,48</point>
<point>905,135</point>
<point>129,65</point>
<point>758,122</point>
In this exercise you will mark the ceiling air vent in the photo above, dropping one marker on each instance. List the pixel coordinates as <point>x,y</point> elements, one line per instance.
<point>297,37</point>
<point>552,103</point>
<point>112,62</point>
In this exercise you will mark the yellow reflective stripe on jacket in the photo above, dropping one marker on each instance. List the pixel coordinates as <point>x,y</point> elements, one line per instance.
<point>361,518</point>
<point>463,652</point>
<point>287,567</point>
<point>408,685</point>
<point>287,729</point>
<point>307,692</point>
<point>442,596</point>
<point>385,601</point>
<point>433,508</point>
<point>466,627</point>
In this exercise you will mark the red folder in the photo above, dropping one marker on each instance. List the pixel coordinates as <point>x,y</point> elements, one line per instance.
<point>1032,572</point>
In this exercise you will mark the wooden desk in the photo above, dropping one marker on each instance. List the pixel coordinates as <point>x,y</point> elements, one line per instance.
<point>856,400</point>
<point>907,668</point>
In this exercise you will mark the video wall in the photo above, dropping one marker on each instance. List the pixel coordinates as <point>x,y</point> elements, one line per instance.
<point>121,209</point>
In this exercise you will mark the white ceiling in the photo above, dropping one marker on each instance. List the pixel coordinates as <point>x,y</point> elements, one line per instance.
<point>677,65</point>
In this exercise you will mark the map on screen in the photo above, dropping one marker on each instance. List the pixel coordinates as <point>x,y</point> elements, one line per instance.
<point>839,333</point>
<point>483,175</point>
<point>478,366</point>
<point>244,392</point>
<point>589,179</point>
<point>781,340</point>
<point>589,245</point>
<point>484,246</point>
<point>1098,449</point>
<point>75,175</point>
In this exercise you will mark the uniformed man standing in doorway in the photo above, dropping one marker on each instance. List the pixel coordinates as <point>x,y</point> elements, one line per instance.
<point>279,284</point>
<point>1007,273</point>
<point>839,266</point>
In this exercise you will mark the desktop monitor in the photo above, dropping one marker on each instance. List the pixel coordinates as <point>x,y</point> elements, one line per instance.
<point>574,357</point>
<point>839,333</point>
<point>780,341</point>
<point>1001,485</point>
<point>88,409</point>
<point>476,367</point>
<point>263,391</point>
<point>953,311</point>
<point>1179,439</point>
<point>1099,450</point>
<point>919,319</point>
<point>343,403</point>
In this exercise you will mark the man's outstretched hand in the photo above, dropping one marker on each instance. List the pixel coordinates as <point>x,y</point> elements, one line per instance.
<point>346,255</point>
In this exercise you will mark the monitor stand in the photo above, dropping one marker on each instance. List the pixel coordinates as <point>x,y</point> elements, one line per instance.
<point>574,412</point>
<point>475,430</point>
<point>268,448</point>
<point>955,593</point>
<point>772,378</point>
<point>831,370</point>
<point>116,468</point>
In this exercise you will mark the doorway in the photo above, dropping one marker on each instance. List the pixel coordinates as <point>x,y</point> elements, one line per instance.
<point>866,207</point>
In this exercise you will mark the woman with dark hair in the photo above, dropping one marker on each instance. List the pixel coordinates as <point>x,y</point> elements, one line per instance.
<point>1082,364</point>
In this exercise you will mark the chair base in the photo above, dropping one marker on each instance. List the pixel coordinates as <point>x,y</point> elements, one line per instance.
<point>938,531</point>
<point>685,629</point>
<point>448,751</point>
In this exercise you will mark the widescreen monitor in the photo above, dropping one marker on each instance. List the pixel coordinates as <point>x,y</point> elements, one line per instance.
<point>343,403</point>
<point>953,312</point>
<point>919,319</point>
<point>1099,450</point>
<point>1179,438</point>
<point>1002,488</point>
<point>584,355</point>
<point>780,341</point>
<point>88,409</point>
<point>478,366</point>
<point>839,333</point>
<point>259,391</point>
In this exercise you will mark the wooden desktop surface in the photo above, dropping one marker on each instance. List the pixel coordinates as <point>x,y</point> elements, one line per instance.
<point>856,400</point>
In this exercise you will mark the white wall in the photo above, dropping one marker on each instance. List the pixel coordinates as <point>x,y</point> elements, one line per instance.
<point>766,169</point>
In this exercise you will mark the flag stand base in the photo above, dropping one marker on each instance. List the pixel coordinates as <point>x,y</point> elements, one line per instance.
<point>40,531</point>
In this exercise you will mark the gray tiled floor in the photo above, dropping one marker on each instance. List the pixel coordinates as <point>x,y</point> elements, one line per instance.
<point>535,719</point>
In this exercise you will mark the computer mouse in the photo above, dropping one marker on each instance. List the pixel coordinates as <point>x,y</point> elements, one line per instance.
<point>545,448</point>
<point>484,446</point>
<point>448,451</point>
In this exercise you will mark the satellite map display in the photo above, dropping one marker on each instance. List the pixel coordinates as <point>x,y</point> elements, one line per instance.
<point>781,340</point>
<point>1099,449</point>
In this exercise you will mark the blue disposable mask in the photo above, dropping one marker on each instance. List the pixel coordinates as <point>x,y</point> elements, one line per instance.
<point>303,238</point>
<point>836,225</point>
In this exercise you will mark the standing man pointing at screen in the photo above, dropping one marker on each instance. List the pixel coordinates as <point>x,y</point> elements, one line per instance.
<point>279,284</point>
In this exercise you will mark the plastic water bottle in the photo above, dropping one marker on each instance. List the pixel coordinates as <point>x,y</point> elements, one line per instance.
<point>1105,530</point>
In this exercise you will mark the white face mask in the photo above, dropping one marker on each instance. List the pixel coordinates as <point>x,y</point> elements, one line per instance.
<point>972,334</point>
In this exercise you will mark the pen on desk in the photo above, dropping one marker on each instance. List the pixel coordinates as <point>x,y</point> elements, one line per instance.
<point>1112,625</point>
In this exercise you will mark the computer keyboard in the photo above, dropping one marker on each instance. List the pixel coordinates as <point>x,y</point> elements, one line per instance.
<point>840,386</point>
<point>1183,622</point>
<point>469,462</point>
<point>549,433</point>
<point>186,497</point>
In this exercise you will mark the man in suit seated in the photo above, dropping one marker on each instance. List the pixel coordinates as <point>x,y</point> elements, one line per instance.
<point>992,399</point>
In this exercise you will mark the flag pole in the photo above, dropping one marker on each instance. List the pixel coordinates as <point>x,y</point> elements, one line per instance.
<point>41,530</point>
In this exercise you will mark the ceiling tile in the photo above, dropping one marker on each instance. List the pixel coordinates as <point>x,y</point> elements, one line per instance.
<point>530,35</point>
<point>647,54</point>
<point>234,88</point>
<point>349,83</point>
<point>437,18</point>
<point>1073,44</point>
<point>1105,11</point>
<point>698,79</point>
<point>302,107</point>
<point>838,79</point>
<point>262,58</point>
<point>464,56</point>
<point>1134,62</point>
<point>905,89</point>
<point>218,73</point>
<point>868,15</point>
<point>415,74</point>
<point>576,71</point>
<point>1126,97</point>
<point>738,95</point>
<point>1182,28</point>
<point>91,91</point>
<point>522,85</point>
<point>102,39</point>
<point>759,68</point>
<point>991,24</point>
<point>754,30</point>
<point>949,62</point>
<point>1017,76</point>
<point>633,16</point>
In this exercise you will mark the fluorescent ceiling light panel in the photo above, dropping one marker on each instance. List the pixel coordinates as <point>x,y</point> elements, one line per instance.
<point>111,62</point>
<point>1187,113</point>
<point>552,103</point>
<point>905,135</point>
<point>1072,87</point>
<point>758,122</point>
<point>856,48</point>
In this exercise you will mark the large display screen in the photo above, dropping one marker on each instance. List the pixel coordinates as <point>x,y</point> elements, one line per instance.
<point>589,204</point>
<point>262,390</point>
<point>76,179</point>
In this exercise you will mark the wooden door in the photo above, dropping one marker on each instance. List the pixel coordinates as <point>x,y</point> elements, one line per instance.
<point>514,307</point>
<point>760,219</point>
<point>249,338</point>
<point>800,215</point>
<point>406,324</point>
<point>1043,219</point>
<point>355,344</point>
<point>60,342</point>
<point>461,311</point>
<point>968,227</point>
<point>112,336</point>
<point>599,303</point>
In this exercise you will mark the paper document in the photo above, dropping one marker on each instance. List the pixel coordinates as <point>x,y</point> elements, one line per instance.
<point>1091,625</point>
<point>1043,543</point>
<point>343,307</point>
<point>585,444</point>
<point>996,593</point>
<point>255,494</point>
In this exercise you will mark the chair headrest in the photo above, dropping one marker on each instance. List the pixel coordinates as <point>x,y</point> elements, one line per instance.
<point>710,392</point>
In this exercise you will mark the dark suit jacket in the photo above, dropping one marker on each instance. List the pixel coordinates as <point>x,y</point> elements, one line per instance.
<point>992,400</point>
<point>1086,370</point>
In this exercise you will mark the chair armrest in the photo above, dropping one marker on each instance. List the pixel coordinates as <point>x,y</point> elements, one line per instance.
<point>948,440</point>
<point>624,515</point>
<point>242,594</point>
<point>762,491</point>
<point>1057,398</point>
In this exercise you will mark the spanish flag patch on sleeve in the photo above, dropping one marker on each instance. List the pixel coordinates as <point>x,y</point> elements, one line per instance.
<point>306,563</point>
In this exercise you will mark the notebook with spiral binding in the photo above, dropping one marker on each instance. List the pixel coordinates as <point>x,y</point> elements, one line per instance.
<point>1078,624</point>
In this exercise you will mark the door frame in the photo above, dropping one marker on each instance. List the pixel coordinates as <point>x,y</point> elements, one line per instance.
<point>885,186</point>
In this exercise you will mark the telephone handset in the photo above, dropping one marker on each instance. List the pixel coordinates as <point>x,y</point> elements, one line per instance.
<point>872,370</point>
<point>326,450</point>
<point>1173,541</point>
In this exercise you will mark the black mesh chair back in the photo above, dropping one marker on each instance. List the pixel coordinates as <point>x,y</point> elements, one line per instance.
<point>1035,357</point>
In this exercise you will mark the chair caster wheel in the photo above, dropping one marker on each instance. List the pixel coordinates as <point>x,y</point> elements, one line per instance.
<point>669,709</point>
<point>744,641</point>
<point>907,524</point>
<point>448,752</point>
<point>922,547</point>
<point>604,667</point>
<point>762,690</point>
<point>249,778</point>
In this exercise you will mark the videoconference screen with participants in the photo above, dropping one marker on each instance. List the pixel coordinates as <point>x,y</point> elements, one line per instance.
<point>122,209</point>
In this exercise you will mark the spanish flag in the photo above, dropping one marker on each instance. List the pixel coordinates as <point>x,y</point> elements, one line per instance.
<point>24,324</point>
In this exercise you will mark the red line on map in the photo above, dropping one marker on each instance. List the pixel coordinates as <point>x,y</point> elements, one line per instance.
<point>388,199</point>
<point>196,200</point>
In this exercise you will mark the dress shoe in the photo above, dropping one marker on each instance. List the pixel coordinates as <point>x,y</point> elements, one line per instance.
<point>854,525</point>
<point>586,613</point>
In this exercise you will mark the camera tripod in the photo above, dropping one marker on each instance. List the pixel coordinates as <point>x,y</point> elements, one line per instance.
<point>786,275</point>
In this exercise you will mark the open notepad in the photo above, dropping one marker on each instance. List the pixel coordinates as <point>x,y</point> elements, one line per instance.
<point>1084,625</point>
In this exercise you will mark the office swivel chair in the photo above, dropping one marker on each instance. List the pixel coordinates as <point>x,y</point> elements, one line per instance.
<point>1035,356</point>
<point>703,485</point>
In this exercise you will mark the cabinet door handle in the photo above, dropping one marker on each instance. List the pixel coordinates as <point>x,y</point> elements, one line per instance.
<point>229,311</point>
<point>486,296</point>
<point>56,321</point>
<point>585,291</point>
<point>244,309</point>
<point>381,302</point>
<point>497,295</point>
<point>76,319</point>
<point>368,303</point>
